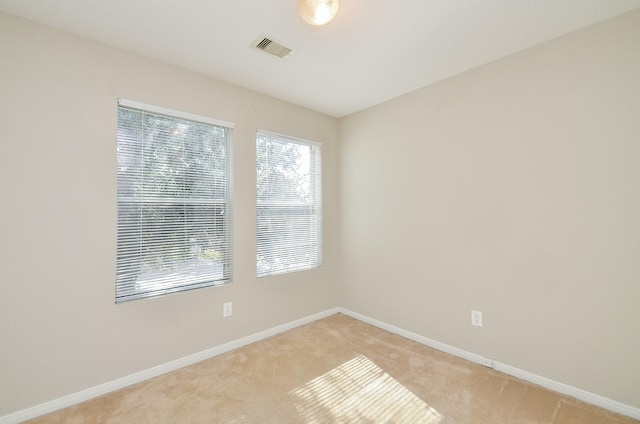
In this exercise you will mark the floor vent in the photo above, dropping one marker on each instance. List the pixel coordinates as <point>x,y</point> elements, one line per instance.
<point>272,47</point>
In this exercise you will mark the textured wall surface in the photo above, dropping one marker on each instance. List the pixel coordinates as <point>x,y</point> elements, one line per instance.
<point>60,329</point>
<point>513,189</point>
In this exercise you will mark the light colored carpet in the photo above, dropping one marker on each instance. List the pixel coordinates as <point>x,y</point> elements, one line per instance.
<point>336,370</point>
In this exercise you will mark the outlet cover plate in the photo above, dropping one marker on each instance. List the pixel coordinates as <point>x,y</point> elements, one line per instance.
<point>227,309</point>
<point>476,318</point>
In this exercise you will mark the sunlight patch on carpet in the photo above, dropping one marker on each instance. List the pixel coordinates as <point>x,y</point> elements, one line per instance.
<point>360,391</point>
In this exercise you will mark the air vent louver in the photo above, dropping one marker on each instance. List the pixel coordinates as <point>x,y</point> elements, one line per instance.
<point>272,47</point>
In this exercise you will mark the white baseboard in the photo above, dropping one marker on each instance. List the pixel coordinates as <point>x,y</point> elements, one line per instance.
<point>138,377</point>
<point>548,383</point>
<point>416,337</point>
<point>102,389</point>
<point>583,395</point>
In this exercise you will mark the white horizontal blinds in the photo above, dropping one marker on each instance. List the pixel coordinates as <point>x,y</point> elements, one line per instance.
<point>289,209</point>
<point>174,229</point>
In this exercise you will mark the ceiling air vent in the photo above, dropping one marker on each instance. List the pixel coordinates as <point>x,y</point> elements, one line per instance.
<point>272,47</point>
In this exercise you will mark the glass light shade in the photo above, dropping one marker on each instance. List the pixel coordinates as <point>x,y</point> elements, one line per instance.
<point>317,12</point>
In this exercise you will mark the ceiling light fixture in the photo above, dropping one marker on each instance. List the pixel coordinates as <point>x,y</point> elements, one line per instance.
<point>317,12</point>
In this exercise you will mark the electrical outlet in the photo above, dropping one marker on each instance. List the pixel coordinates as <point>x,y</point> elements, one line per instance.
<point>227,309</point>
<point>476,318</point>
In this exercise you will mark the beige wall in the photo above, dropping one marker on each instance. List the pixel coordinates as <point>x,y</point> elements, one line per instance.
<point>513,189</point>
<point>60,329</point>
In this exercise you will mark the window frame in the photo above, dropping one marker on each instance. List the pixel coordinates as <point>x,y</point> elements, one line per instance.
<point>127,290</point>
<point>316,149</point>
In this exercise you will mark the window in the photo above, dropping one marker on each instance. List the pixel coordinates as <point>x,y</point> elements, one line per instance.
<point>289,212</point>
<point>174,220</point>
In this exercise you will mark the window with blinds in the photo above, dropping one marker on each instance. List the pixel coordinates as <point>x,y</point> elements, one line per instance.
<point>289,207</point>
<point>174,220</point>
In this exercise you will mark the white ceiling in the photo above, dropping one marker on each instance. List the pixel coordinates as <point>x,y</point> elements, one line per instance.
<point>373,51</point>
